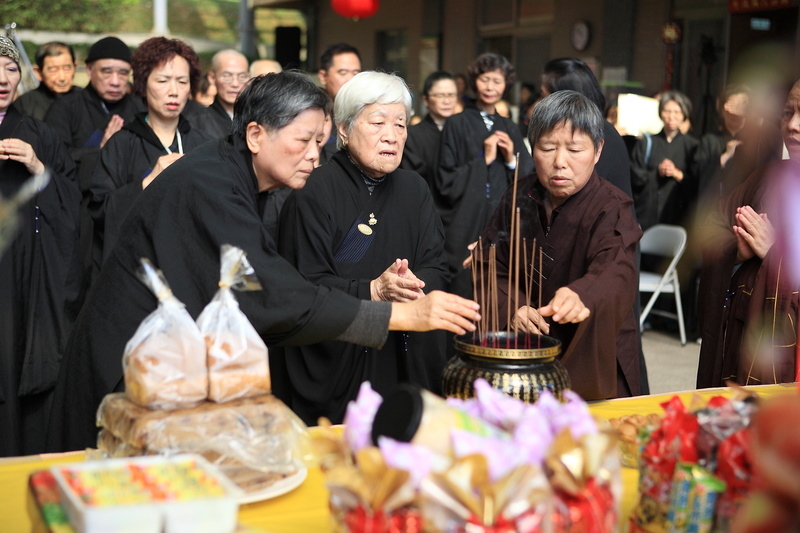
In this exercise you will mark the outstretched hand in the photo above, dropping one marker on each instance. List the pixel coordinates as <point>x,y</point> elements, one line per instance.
<point>529,320</point>
<point>397,284</point>
<point>565,307</point>
<point>437,310</point>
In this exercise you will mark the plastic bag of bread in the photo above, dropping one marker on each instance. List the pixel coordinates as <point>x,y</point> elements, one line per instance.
<point>237,356</point>
<point>164,362</point>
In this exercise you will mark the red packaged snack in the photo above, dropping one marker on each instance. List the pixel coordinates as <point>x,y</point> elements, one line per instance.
<point>590,511</point>
<point>672,442</point>
<point>735,469</point>
<point>359,520</point>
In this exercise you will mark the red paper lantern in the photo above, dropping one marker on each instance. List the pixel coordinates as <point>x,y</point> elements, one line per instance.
<point>356,9</point>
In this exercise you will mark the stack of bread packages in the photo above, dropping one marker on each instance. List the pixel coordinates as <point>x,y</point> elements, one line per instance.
<point>203,387</point>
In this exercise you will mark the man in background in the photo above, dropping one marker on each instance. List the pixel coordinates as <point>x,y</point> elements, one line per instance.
<point>55,70</point>
<point>264,66</point>
<point>86,120</point>
<point>229,73</point>
<point>338,64</point>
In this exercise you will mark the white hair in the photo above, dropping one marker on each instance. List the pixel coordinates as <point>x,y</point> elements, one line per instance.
<point>365,88</point>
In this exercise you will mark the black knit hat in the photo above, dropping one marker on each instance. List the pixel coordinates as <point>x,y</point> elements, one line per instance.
<point>109,48</point>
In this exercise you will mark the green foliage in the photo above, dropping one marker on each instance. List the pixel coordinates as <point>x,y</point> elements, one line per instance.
<point>92,16</point>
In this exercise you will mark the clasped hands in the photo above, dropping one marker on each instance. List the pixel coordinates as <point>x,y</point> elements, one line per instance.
<point>501,140</point>
<point>19,150</point>
<point>754,233</point>
<point>397,284</point>
<point>668,169</point>
<point>565,307</point>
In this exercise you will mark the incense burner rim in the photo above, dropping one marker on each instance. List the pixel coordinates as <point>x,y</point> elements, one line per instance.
<point>544,354</point>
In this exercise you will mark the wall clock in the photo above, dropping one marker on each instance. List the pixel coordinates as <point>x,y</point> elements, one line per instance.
<point>579,35</point>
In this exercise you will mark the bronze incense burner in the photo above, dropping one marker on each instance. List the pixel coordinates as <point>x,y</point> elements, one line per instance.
<point>521,365</point>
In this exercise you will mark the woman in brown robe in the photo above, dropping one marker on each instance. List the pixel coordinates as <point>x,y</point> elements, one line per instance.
<point>748,305</point>
<point>586,234</point>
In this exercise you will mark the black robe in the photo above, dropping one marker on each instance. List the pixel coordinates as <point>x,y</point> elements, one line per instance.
<point>421,153</point>
<point>80,121</point>
<point>204,200</point>
<point>657,199</point>
<point>37,102</point>
<point>329,148</point>
<point>614,164</point>
<point>318,235</point>
<point>39,286</point>
<point>469,190</point>
<point>588,245</point>
<point>270,204</point>
<point>213,120</point>
<point>125,160</point>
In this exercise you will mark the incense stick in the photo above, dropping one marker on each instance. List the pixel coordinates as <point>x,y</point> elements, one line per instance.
<point>474,265</point>
<point>484,308</point>
<point>525,277</point>
<point>511,239</point>
<point>494,294</point>
<point>516,274</point>
<point>539,343</point>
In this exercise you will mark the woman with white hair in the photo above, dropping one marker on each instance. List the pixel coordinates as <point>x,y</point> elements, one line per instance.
<point>370,229</point>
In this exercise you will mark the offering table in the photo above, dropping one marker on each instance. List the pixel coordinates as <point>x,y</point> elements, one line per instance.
<point>306,508</point>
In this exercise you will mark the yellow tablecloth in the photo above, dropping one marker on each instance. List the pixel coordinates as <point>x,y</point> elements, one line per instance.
<point>306,508</point>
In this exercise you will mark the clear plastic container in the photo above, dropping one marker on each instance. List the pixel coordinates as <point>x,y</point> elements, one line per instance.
<point>182,493</point>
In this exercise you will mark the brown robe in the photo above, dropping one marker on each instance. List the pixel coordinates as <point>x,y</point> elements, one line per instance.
<point>589,245</point>
<point>748,318</point>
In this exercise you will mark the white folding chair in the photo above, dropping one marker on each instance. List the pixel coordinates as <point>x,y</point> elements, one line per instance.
<point>663,240</point>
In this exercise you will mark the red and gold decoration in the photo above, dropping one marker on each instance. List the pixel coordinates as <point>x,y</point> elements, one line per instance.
<point>356,9</point>
<point>671,35</point>
<point>747,6</point>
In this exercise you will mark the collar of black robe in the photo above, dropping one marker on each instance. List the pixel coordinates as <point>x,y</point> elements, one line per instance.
<point>217,108</point>
<point>45,90</point>
<point>108,107</point>
<point>11,122</point>
<point>235,149</point>
<point>140,127</point>
<point>369,181</point>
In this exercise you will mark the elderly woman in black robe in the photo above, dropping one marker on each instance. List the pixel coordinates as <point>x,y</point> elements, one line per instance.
<point>370,229</point>
<point>165,72</point>
<point>204,200</point>
<point>664,187</point>
<point>584,229</point>
<point>39,268</point>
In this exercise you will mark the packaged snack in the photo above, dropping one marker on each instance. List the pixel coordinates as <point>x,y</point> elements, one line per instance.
<point>237,356</point>
<point>693,499</point>
<point>164,362</point>
<point>147,494</point>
